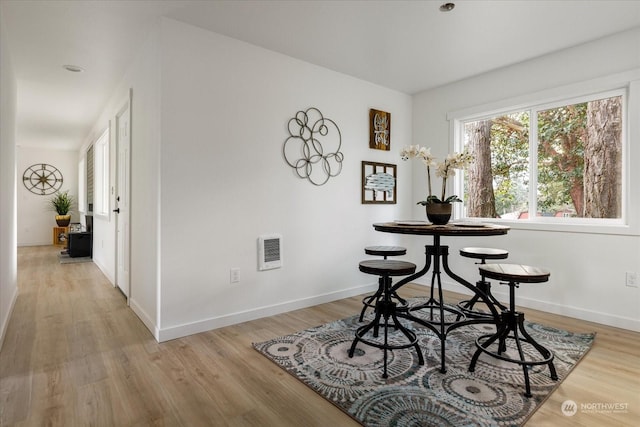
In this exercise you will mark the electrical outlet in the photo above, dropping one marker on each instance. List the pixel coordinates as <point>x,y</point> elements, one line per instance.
<point>235,275</point>
<point>632,279</point>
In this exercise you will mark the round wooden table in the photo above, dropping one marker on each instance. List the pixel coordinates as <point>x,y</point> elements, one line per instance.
<point>436,255</point>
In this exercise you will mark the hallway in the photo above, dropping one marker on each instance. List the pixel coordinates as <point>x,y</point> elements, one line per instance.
<point>75,354</point>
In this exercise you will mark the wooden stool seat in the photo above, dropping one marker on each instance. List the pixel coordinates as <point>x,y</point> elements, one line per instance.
<point>386,267</point>
<point>515,272</point>
<point>484,253</point>
<point>511,323</point>
<point>385,251</point>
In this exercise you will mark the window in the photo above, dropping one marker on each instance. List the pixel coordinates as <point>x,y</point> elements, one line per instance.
<point>90,179</point>
<point>82,183</point>
<point>560,162</point>
<point>101,175</point>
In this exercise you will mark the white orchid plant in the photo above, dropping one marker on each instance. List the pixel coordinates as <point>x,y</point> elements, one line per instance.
<point>444,169</point>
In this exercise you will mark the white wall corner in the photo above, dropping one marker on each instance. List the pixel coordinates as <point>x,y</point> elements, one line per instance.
<point>5,320</point>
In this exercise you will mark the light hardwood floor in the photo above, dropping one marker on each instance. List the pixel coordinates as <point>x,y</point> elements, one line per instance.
<point>75,355</point>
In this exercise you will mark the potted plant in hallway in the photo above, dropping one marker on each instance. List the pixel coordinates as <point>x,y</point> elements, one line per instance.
<point>438,208</point>
<point>61,203</point>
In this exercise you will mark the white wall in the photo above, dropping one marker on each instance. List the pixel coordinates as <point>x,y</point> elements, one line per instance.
<point>8,240</point>
<point>588,270</point>
<point>35,218</point>
<point>143,79</point>
<point>224,182</point>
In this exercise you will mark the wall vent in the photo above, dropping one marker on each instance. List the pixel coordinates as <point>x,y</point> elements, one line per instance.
<point>269,252</point>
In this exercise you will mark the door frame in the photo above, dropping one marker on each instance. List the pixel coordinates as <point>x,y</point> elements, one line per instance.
<point>126,106</point>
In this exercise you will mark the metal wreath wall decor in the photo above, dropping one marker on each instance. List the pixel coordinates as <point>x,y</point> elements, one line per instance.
<point>313,146</point>
<point>42,179</point>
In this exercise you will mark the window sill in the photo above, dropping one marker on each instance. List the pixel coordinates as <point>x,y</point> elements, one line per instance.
<point>565,227</point>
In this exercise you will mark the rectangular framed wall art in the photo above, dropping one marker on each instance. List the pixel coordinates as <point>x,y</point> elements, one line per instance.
<point>378,183</point>
<point>379,130</point>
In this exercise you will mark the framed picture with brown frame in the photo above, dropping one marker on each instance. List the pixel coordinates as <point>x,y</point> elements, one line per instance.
<point>379,130</point>
<point>378,183</point>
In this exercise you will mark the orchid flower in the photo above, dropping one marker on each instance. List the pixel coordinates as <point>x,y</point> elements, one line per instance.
<point>444,169</point>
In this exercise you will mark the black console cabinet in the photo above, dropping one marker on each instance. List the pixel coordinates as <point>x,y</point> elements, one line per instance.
<point>80,244</point>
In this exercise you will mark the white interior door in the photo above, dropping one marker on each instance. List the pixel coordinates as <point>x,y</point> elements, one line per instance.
<point>123,199</point>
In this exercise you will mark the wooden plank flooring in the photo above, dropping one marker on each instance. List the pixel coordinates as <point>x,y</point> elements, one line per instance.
<point>75,355</point>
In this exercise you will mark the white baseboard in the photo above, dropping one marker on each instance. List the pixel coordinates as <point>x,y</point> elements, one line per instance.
<point>173,332</point>
<point>106,272</point>
<point>576,313</point>
<point>145,318</point>
<point>5,322</point>
<point>607,319</point>
<point>26,244</point>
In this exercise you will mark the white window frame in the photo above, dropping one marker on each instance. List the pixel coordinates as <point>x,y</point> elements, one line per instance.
<point>626,84</point>
<point>101,175</point>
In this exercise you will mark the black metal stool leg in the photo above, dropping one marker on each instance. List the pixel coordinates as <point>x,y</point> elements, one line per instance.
<point>386,344</point>
<point>525,367</point>
<point>541,349</point>
<point>368,301</point>
<point>363,330</point>
<point>502,331</point>
<point>411,336</point>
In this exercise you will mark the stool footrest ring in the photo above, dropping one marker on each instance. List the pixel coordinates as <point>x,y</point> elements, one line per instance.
<point>412,339</point>
<point>498,354</point>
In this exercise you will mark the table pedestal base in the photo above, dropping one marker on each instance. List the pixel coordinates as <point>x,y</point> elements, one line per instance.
<point>435,319</point>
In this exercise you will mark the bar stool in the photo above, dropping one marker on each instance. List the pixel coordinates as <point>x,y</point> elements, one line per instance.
<point>384,251</point>
<point>385,310</point>
<point>512,321</point>
<point>483,254</point>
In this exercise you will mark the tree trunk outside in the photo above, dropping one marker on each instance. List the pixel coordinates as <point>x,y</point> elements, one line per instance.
<point>602,159</point>
<point>567,161</point>
<point>481,199</point>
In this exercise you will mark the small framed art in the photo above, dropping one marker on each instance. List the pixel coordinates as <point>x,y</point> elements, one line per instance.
<point>379,130</point>
<point>378,183</point>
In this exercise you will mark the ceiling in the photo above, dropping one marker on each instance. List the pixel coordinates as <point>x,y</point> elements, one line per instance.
<point>408,46</point>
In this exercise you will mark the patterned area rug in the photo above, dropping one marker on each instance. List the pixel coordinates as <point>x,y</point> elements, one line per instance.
<point>415,395</point>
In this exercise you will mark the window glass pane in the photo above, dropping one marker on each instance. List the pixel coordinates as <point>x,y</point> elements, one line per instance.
<point>90,178</point>
<point>497,182</point>
<point>101,175</point>
<point>81,186</point>
<point>580,159</point>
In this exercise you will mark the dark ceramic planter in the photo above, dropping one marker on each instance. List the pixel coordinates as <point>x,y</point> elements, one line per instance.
<point>439,213</point>
<point>63,220</point>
